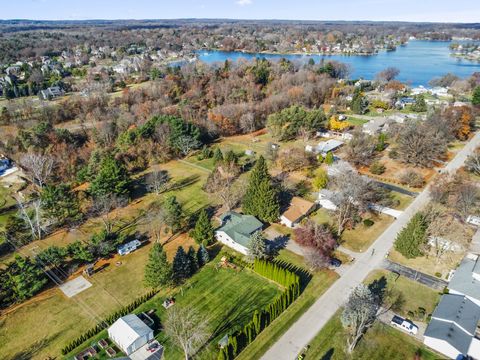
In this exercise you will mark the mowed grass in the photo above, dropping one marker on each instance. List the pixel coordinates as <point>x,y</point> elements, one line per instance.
<point>356,121</point>
<point>414,295</point>
<point>318,284</point>
<point>361,237</point>
<point>381,342</point>
<point>225,298</point>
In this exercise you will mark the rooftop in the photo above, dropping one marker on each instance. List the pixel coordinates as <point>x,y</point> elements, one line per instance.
<point>298,207</point>
<point>466,279</point>
<point>239,227</point>
<point>459,310</point>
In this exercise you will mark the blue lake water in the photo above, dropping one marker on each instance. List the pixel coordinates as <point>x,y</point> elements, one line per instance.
<point>418,62</point>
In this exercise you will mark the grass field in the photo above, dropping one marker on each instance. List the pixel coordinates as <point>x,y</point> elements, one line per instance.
<point>318,284</point>
<point>381,342</point>
<point>414,295</point>
<point>226,298</point>
<point>361,237</point>
<point>356,121</point>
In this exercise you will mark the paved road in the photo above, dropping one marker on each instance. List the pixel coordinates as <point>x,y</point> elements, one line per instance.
<point>425,279</point>
<point>313,320</point>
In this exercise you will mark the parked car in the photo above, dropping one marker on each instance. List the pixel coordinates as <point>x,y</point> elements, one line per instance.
<point>335,262</point>
<point>404,324</point>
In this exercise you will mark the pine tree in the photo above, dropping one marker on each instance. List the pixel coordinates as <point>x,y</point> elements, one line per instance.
<point>217,156</point>
<point>203,231</point>
<point>112,178</point>
<point>476,96</point>
<point>26,278</point>
<point>181,266</point>
<point>261,198</point>
<point>192,258</point>
<point>230,157</point>
<point>257,248</point>
<point>411,239</point>
<point>202,256</point>
<point>173,213</point>
<point>158,271</point>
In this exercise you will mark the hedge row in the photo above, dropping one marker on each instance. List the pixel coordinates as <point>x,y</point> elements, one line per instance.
<point>261,319</point>
<point>109,320</point>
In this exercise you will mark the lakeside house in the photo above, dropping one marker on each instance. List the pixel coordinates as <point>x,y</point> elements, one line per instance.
<point>324,147</point>
<point>51,93</point>
<point>297,210</point>
<point>236,230</point>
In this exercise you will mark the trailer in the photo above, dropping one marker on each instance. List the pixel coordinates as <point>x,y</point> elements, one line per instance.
<point>129,247</point>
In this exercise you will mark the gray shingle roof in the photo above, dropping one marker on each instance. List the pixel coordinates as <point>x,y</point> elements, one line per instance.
<point>450,333</point>
<point>463,280</point>
<point>239,227</point>
<point>460,310</point>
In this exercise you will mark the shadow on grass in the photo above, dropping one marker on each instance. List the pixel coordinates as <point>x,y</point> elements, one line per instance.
<point>29,352</point>
<point>328,355</point>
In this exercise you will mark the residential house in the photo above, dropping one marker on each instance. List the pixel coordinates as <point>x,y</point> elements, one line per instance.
<point>453,328</point>
<point>51,93</point>
<point>473,220</point>
<point>404,101</point>
<point>376,125</point>
<point>130,333</point>
<point>324,147</point>
<point>466,279</point>
<point>325,199</point>
<point>297,210</point>
<point>236,230</point>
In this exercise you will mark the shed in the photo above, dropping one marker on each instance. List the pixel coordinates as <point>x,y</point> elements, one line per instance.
<point>130,333</point>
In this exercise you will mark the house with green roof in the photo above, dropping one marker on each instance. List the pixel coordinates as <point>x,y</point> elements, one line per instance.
<point>236,230</point>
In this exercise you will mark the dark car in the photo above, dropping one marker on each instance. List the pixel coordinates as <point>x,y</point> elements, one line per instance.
<point>335,262</point>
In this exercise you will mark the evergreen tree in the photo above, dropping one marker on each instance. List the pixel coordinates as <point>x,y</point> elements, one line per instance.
<point>217,156</point>
<point>112,178</point>
<point>181,266</point>
<point>26,278</point>
<point>158,271</point>
<point>261,197</point>
<point>257,247</point>
<point>411,239</point>
<point>359,103</point>
<point>230,157</point>
<point>476,96</point>
<point>192,257</point>
<point>420,105</point>
<point>202,256</point>
<point>203,231</point>
<point>321,179</point>
<point>59,203</point>
<point>329,160</point>
<point>173,213</point>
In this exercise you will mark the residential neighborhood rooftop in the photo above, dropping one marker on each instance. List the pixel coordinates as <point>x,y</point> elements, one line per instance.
<point>239,227</point>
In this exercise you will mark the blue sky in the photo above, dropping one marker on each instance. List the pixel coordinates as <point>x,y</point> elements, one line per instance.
<point>407,10</point>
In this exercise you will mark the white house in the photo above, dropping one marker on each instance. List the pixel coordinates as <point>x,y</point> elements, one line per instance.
<point>473,220</point>
<point>324,199</point>
<point>453,327</point>
<point>130,333</point>
<point>297,210</point>
<point>237,229</point>
<point>324,147</point>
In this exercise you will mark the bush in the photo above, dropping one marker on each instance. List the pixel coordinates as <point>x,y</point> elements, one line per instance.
<point>393,154</point>
<point>437,274</point>
<point>368,222</point>
<point>377,168</point>
<point>412,178</point>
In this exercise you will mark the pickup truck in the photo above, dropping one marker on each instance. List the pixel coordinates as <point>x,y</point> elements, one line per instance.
<point>404,324</point>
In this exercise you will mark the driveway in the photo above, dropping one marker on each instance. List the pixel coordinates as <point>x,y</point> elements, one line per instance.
<point>387,315</point>
<point>424,279</point>
<point>312,321</point>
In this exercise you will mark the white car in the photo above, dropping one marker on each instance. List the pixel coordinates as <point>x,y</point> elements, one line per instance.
<point>404,324</point>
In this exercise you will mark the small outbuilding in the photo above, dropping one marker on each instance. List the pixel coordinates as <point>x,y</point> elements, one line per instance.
<point>130,333</point>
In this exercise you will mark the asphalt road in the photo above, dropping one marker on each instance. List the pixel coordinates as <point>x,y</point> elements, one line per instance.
<point>312,321</point>
<point>425,279</point>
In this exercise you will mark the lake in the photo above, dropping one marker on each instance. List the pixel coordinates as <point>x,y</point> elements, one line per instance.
<point>418,62</point>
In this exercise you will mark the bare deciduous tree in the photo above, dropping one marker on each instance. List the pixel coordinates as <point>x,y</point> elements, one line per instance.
<point>104,207</point>
<point>186,328</point>
<point>388,74</point>
<point>32,216</point>
<point>186,144</point>
<point>360,149</point>
<point>359,314</point>
<point>157,181</point>
<point>38,167</point>
<point>473,162</point>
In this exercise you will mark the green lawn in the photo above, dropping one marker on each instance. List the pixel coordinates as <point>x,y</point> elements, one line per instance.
<point>226,298</point>
<point>414,295</point>
<point>318,284</point>
<point>402,199</point>
<point>5,197</point>
<point>356,121</point>
<point>381,342</point>
<point>361,237</point>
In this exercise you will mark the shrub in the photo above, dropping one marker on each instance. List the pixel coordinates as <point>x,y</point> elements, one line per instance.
<point>412,178</point>
<point>437,274</point>
<point>393,154</point>
<point>377,168</point>
<point>368,222</point>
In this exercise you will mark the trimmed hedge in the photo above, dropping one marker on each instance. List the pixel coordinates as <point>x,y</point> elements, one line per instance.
<point>264,317</point>
<point>109,320</point>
